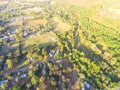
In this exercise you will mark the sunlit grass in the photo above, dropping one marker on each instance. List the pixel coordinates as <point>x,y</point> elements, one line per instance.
<point>61,26</point>
<point>42,39</point>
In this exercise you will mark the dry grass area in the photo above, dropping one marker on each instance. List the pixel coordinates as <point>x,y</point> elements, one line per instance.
<point>35,22</point>
<point>47,37</point>
<point>3,2</point>
<point>84,3</point>
<point>61,26</point>
<point>112,3</point>
<point>16,23</point>
<point>105,11</point>
<point>80,3</point>
<point>42,39</point>
<point>109,17</point>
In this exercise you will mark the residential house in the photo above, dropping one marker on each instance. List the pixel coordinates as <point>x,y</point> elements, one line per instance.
<point>23,75</point>
<point>87,86</point>
<point>51,54</point>
<point>3,81</point>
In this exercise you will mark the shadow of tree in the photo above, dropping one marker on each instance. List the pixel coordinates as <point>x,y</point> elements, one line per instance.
<point>109,71</point>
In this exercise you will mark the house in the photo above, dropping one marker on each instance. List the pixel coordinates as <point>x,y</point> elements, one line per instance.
<point>43,71</point>
<point>51,54</point>
<point>42,28</point>
<point>15,79</point>
<point>12,32</point>
<point>1,35</point>
<point>31,36</point>
<point>3,81</point>
<point>23,75</point>
<point>5,66</point>
<point>51,31</point>
<point>57,51</point>
<point>11,38</point>
<point>30,59</point>
<point>43,66</point>
<point>87,86</point>
<point>53,39</point>
<point>5,38</point>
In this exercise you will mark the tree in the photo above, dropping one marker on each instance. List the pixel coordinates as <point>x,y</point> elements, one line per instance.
<point>16,87</point>
<point>95,68</point>
<point>44,53</point>
<point>9,55</point>
<point>9,63</point>
<point>2,87</point>
<point>34,80</point>
<point>42,85</point>
<point>1,29</point>
<point>40,57</point>
<point>29,55</point>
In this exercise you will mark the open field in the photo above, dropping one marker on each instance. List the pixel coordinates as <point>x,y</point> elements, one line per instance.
<point>61,26</point>
<point>42,39</point>
<point>104,11</point>
<point>35,22</point>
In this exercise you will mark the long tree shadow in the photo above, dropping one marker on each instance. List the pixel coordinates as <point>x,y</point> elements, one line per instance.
<point>109,71</point>
<point>93,56</point>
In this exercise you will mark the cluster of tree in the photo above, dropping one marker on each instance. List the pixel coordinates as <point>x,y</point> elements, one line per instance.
<point>98,72</point>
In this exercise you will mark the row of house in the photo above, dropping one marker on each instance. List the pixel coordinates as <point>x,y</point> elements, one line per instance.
<point>16,77</point>
<point>23,73</point>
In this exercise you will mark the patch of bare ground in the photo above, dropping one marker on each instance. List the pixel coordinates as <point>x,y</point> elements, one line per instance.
<point>81,3</point>
<point>109,13</point>
<point>61,26</point>
<point>13,25</point>
<point>110,17</point>
<point>17,23</point>
<point>35,22</point>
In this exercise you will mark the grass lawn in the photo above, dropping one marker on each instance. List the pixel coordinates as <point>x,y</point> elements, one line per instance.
<point>42,39</point>
<point>61,26</point>
<point>35,22</point>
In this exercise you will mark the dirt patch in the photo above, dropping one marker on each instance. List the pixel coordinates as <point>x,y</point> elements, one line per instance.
<point>35,22</point>
<point>80,3</point>
<point>115,11</point>
<point>42,39</point>
<point>61,26</point>
<point>14,23</point>
<point>109,13</point>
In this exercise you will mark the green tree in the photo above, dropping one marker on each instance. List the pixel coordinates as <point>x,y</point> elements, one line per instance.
<point>16,87</point>
<point>34,80</point>
<point>9,63</point>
